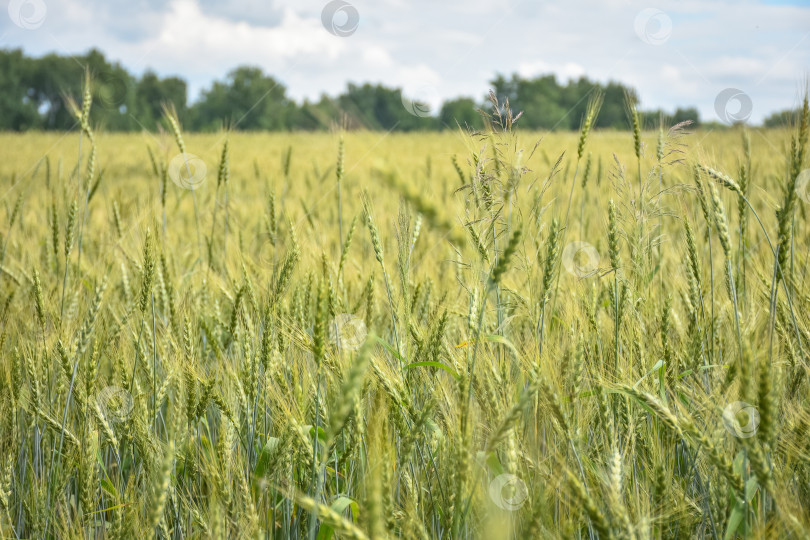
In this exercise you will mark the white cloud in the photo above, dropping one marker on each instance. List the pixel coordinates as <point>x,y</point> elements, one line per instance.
<point>673,77</point>
<point>455,46</point>
<point>564,72</point>
<point>188,34</point>
<point>737,66</point>
<point>377,56</point>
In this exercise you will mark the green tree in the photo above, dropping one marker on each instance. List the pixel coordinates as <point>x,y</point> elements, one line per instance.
<point>378,107</point>
<point>686,114</point>
<point>33,92</point>
<point>151,93</point>
<point>546,104</point>
<point>613,113</point>
<point>462,112</point>
<point>788,117</point>
<point>247,100</point>
<point>18,101</point>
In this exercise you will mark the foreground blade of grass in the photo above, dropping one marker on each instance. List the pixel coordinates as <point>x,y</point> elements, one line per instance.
<point>588,122</point>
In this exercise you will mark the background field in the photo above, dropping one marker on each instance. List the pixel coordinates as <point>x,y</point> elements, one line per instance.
<point>167,352</point>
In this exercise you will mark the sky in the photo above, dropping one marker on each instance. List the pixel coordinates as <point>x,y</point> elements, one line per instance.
<point>741,58</point>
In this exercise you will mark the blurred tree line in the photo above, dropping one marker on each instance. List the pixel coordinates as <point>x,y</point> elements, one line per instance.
<point>781,119</point>
<point>33,92</point>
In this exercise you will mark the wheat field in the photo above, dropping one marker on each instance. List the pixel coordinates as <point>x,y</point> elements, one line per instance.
<point>501,334</point>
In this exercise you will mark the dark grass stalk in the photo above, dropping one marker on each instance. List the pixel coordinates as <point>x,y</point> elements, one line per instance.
<point>339,172</point>
<point>552,250</point>
<point>69,230</point>
<point>660,156</point>
<point>83,116</point>
<point>745,186</point>
<point>223,177</point>
<point>588,122</point>
<point>90,172</point>
<point>318,351</point>
<point>154,359</point>
<point>196,212</point>
<point>378,252</point>
<point>170,115</point>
